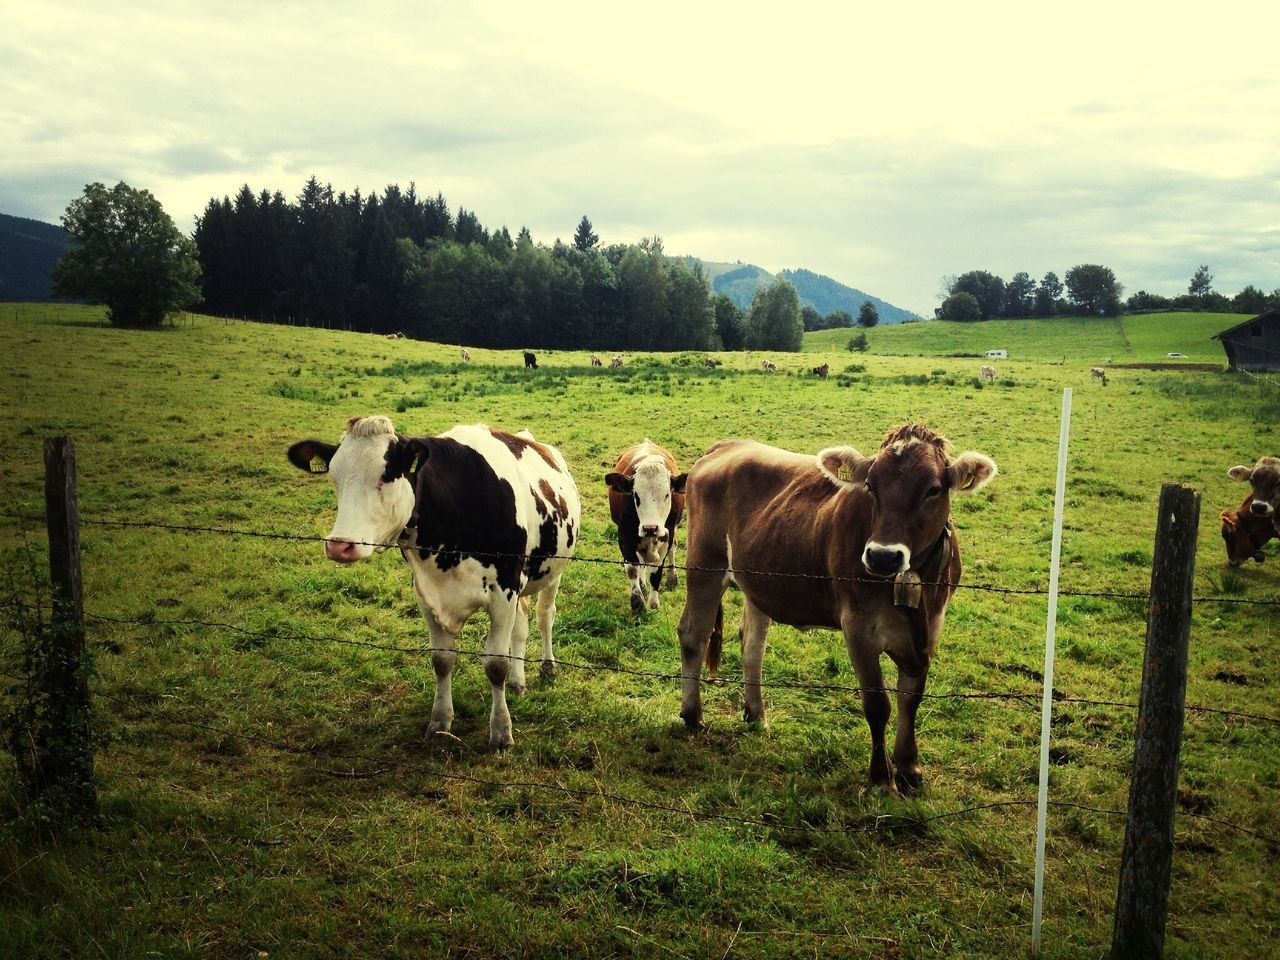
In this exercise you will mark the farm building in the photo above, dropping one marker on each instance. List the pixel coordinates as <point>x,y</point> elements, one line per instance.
<point>1253,345</point>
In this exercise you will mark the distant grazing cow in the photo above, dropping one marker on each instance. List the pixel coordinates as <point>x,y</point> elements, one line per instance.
<point>595,361</point>
<point>616,361</point>
<point>822,371</point>
<point>466,355</point>
<point>769,366</point>
<point>1264,478</point>
<point>711,362</point>
<point>530,360</point>
<point>1098,373</point>
<point>483,517</point>
<point>864,545</point>
<point>395,336</point>
<point>987,372</point>
<point>1245,533</point>
<point>646,501</point>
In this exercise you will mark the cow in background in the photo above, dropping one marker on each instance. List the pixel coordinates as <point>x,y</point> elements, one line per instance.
<point>1264,479</point>
<point>595,361</point>
<point>769,366</point>
<point>530,360</point>
<point>1098,373</point>
<point>1245,533</point>
<point>710,362</point>
<point>646,501</point>
<point>484,519</point>
<point>466,355</point>
<point>822,371</point>
<point>616,362</point>
<point>864,545</point>
<point>987,372</point>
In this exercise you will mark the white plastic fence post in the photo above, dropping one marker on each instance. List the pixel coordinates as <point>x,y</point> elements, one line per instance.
<point>1046,701</point>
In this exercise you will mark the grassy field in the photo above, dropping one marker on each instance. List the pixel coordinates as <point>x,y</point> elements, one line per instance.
<point>267,784</point>
<point>1127,339</point>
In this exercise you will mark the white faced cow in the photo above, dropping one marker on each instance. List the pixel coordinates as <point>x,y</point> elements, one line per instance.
<point>859,544</point>
<point>646,501</point>
<point>1264,478</point>
<point>484,518</point>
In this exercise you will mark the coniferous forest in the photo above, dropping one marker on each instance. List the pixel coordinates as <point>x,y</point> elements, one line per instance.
<point>399,262</point>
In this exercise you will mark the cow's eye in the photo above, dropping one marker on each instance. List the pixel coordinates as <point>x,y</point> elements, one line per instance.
<point>636,498</point>
<point>933,491</point>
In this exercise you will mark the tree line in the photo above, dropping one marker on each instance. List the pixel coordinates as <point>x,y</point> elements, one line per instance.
<point>1087,289</point>
<point>400,262</point>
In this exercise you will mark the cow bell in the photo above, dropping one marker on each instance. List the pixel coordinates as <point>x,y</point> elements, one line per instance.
<point>907,590</point>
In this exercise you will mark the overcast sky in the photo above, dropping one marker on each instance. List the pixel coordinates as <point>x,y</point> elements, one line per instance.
<point>885,149</point>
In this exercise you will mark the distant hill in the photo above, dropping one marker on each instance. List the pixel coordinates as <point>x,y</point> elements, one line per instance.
<point>738,282</point>
<point>28,251</point>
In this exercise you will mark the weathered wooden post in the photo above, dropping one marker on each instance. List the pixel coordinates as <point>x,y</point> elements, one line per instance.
<point>1143,898</point>
<point>64,745</point>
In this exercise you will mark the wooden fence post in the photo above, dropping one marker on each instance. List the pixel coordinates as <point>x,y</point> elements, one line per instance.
<point>1143,898</point>
<point>64,761</point>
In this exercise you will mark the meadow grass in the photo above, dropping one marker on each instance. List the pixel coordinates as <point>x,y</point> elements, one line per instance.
<point>343,830</point>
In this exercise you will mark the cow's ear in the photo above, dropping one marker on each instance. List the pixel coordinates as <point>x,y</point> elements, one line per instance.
<point>677,482</point>
<point>1229,520</point>
<point>619,482</point>
<point>404,456</point>
<point>844,466</point>
<point>307,454</point>
<point>971,471</point>
<point>1240,472</point>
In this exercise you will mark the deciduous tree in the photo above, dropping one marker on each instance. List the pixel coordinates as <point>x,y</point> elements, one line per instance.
<point>129,256</point>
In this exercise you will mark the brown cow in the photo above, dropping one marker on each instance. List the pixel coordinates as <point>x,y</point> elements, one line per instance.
<point>822,371</point>
<point>859,544</point>
<point>1264,479</point>
<point>646,501</point>
<point>1245,533</point>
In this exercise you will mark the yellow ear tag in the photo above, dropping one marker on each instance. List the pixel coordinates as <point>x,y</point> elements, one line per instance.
<point>845,473</point>
<point>968,483</point>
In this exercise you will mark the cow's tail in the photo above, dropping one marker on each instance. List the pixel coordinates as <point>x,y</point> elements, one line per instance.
<point>716,642</point>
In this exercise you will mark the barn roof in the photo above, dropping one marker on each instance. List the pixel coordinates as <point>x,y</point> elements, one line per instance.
<point>1270,315</point>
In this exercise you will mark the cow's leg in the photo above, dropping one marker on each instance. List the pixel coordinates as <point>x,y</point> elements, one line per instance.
<point>906,757</point>
<point>701,604</point>
<point>755,628</point>
<point>671,580</point>
<point>443,657</point>
<point>865,656</point>
<point>635,575</point>
<point>655,585</point>
<point>497,664</point>
<point>546,607</point>
<point>519,636</point>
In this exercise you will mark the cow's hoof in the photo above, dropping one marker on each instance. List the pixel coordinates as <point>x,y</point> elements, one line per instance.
<point>655,602</point>
<point>884,789</point>
<point>516,689</point>
<point>637,605</point>
<point>439,726</point>
<point>671,581</point>
<point>692,720</point>
<point>548,670</point>
<point>909,782</point>
<point>501,741</point>
<point>753,716</point>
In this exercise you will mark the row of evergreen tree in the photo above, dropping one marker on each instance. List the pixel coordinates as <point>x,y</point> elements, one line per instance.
<point>398,262</point>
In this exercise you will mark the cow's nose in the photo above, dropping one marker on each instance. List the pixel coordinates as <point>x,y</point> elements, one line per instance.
<point>1260,507</point>
<point>343,551</point>
<point>884,560</point>
<point>649,530</point>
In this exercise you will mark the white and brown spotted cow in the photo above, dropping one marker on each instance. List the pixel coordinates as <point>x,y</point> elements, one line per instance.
<point>616,362</point>
<point>1264,479</point>
<point>987,372</point>
<point>859,544</point>
<point>768,366</point>
<point>646,501</point>
<point>1098,373</point>
<point>595,360</point>
<point>1245,533</point>
<point>485,518</point>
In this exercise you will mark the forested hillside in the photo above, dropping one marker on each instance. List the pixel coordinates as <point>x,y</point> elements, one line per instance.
<point>28,251</point>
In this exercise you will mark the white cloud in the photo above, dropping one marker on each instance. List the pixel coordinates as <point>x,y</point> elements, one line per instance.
<point>883,148</point>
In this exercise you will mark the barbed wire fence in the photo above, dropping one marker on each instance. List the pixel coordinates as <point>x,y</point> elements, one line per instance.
<point>379,765</point>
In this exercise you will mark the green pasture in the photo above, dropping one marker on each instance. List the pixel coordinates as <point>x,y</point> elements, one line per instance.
<point>1142,338</point>
<point>268,788</point>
